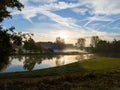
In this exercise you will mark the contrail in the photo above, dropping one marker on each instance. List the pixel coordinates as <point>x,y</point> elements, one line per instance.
<point>108,24</point>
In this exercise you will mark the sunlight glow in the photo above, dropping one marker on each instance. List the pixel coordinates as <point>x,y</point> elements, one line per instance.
<point>63,35</point>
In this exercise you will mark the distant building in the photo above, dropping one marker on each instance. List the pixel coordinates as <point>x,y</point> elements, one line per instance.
<point>51,45</point>
<point>46,45</point>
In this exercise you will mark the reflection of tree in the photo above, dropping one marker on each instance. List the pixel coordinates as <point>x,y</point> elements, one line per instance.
<point>60,60</point>
<point>80,57</point>
<point>30,61</point>
<point>84,57</point>
<point>19,57</point>
<point>4,62</point>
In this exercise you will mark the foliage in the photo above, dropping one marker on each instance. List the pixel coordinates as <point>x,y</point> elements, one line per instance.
<point>10,40</point>
<point>4,62</point>
<point>102,46</point>
<point>59,44</point>
<point>31,46</point>
<point>94,41</point>
<point>81,43</point>
<point>107,47</point>
<point>5,4</point>
<point>5,42</point>
<point>115,46</point>
<point>7,36</point>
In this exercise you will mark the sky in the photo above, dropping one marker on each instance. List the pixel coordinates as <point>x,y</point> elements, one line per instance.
<point>69,19</point>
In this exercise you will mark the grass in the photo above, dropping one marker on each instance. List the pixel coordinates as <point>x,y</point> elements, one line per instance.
<point>94,74</point>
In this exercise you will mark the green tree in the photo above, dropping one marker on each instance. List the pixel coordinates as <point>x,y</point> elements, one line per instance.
<point>7,38</point>
<point>102,46</point>
<point>5,42</point>
<point>114,46</point>
<point>5,4</point>
<point>4,62</point>
<point>81,43</point>
<point>31,46</point>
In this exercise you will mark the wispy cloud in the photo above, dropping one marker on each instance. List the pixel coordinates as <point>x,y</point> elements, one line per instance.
<point>99,10</point>
<point>31,11</point>
<point>43,1</point>
<point>96,18</point>
<point>106,7</point>
<point>80,10</point>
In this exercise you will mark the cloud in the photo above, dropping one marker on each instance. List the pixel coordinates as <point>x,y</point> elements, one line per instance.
<point>99,10</point>
<point>31,11</point>
<point>24,1</point>
<point>111,22</point>
<point>43,1</point>
<point>96,18</point>
<point>80,10</point>
<point>106,7</point>
<point>59,6</point>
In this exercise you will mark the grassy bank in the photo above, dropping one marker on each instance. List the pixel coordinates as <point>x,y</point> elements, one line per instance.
<point>94,74</point>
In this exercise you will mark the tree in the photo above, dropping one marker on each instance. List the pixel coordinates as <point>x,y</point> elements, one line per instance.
<point>5,4</point>
<point>102,46</point>
<point>60,43</point>
<point>4,62</point>
<point>6,38</point>
<point>114,46</point>
<point>5,43</point>
<point>94,41</point>
<point>31,46</point>
<point>80,43</point>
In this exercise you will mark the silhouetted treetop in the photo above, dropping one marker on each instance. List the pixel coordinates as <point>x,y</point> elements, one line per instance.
<point>5,4</point>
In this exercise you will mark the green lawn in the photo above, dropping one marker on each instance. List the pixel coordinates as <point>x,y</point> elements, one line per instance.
<point>94,74</point>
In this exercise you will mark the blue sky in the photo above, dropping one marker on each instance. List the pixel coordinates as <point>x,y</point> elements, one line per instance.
<point>69,19</point>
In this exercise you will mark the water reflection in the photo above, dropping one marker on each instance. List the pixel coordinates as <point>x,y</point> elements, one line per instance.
<point>33,62</point>
<point>60,60</point>
<point>30,61</point>
<point>85,57</point>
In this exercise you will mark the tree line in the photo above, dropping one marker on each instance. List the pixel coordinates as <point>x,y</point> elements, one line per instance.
<point>98,45</point>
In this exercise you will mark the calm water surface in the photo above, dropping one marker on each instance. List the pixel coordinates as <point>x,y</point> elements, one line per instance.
<point>34,62</point>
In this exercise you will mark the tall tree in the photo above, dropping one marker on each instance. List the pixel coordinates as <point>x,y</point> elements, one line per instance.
<point>94,41</point>
<point>60,43</point>
<point>6,38</point>
<point>80,43</point>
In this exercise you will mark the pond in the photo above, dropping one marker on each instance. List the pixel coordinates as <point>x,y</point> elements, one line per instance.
<point>34,62</point>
